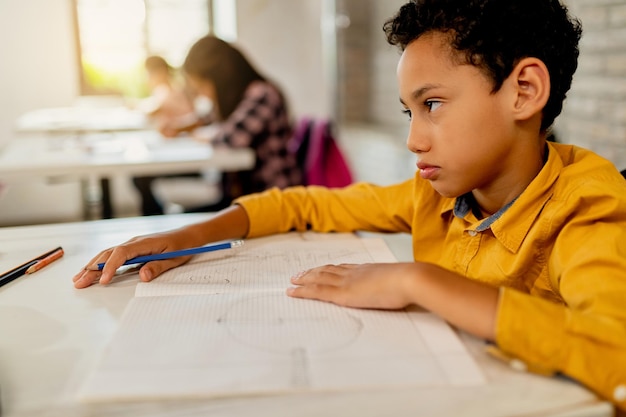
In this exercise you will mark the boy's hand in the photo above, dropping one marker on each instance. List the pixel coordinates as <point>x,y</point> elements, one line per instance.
<point>230,223</point>
<point>463,302</point>
<point>383,286</point>
<point>138,246</point>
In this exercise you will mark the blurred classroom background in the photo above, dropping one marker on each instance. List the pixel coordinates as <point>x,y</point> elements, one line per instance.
<point>329,56</point>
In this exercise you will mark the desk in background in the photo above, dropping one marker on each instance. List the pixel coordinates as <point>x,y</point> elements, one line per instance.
<point>52,336</point>
<point>96,157</point>
<point>82,120</point>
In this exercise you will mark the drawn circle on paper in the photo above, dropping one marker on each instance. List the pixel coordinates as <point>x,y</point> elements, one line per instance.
<point>282,324</point>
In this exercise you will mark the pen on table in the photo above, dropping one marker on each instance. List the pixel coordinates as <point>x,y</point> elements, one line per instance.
<point>174,254</point>
<point>45,261</point>
<point>18,271</point>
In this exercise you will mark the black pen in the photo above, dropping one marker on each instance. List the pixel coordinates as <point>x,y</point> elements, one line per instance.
<point>17,272</point>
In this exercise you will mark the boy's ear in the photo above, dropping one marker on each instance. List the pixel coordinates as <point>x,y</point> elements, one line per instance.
<point>531,81</point>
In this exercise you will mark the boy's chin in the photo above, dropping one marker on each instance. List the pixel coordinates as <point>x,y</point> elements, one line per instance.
<point>446,192</point>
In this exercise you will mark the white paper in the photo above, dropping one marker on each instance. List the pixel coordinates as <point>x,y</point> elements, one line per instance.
<point>262,265</point>
<point>222,325</point>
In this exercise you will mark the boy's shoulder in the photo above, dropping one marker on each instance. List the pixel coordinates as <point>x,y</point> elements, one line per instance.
<point>585,171</point>
<point>578,161</point>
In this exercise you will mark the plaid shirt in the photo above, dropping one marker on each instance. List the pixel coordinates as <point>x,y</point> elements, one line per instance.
<point>261,122</point>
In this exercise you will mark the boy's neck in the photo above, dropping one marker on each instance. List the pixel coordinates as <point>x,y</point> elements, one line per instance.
<point>489,201</point>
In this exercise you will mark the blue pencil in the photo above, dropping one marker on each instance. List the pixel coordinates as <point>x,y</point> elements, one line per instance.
<point>177,253</point>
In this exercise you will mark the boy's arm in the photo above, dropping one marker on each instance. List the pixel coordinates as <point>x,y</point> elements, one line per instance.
<point>467,304</point>
<point>260,214</point>
<point>585,337</point>
<point>360,206</point>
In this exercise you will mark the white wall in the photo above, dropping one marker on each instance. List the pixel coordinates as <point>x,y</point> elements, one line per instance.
<point>37,58</point>
<point>284,40</point>
<point>37,69</point>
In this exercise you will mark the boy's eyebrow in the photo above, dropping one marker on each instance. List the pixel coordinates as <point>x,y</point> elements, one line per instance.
<point>423,90</point>
<point>417,94</point>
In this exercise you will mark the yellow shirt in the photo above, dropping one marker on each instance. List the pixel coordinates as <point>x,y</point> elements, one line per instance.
<point>558,253</point>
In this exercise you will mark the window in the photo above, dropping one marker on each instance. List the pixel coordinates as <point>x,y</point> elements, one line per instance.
<point>115,36</point>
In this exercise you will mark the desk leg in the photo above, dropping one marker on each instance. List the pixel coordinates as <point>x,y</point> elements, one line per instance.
<point>105,199</point>
<point>97,198</point>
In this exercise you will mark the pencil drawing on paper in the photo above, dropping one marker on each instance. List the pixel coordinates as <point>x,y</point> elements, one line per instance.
<point>291,327</point>
<point>279,324</point>
<point>302,260</point>
<point>207,279</point>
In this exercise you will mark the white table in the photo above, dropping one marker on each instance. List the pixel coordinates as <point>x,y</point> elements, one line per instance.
<point>51,336</point>
<point>93,157</point>
<point>136,153</point>
<point>82,119</point>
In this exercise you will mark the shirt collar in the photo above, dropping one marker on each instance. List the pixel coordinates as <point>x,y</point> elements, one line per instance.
<point>511,223</point>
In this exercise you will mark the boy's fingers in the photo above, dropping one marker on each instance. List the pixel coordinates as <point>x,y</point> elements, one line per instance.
<point>325,275</point>
<point>117,257</point>
<point>151,270</point>
<point>86,279</point>
<point>78,276</point>
<point>326,293</point>
<point>313,291</point>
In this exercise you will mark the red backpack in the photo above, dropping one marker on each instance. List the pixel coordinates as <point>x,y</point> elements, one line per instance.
<point>319,155</point>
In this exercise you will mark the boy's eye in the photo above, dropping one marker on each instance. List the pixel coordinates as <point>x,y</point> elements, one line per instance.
<point>432,105</point>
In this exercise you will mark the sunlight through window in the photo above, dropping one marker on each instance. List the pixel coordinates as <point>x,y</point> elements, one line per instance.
<point>116,36</point>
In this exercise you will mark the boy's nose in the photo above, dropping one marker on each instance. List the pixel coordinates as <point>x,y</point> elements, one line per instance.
<point>417,141</point>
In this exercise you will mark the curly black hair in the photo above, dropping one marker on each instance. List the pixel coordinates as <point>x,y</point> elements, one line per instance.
<point>495,35</point>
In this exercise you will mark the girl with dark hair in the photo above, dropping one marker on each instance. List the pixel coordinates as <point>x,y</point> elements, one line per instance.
<point>248,111</point>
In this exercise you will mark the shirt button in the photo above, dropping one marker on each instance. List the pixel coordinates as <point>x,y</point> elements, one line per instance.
<point>619,394</point>
<point>472,233</point>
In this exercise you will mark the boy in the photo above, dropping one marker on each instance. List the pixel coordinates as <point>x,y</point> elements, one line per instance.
<point>516,240</point>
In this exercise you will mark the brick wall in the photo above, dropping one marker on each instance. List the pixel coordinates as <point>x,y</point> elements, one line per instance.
<point>368,92</point>
<point>594,115</point>
<point>353,58</point>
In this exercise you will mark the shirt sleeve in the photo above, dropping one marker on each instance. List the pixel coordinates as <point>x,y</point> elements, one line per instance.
<point>585,337</point>
<point>256,111</point>
<point>361,206</point>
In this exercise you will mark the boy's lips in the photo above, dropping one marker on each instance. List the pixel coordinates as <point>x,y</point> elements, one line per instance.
<point>427,171</point>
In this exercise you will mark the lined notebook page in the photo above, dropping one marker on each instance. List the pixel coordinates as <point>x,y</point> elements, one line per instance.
<point>262,265</point>
<point>235,339</point>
